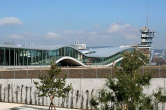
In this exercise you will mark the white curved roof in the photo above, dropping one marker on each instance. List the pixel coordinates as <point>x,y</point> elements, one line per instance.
<point>72,61</point>
<point>103,52</point>
<point>92,52</point>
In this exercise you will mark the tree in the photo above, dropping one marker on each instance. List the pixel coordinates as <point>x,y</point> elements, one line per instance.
<point>52,85</point>
<point>159,97</point>
<point>125,92</point>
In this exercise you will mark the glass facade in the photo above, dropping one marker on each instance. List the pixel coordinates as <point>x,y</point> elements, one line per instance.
<point>23,56</point>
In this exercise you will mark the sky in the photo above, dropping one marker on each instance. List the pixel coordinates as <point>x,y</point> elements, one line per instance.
<point>94,22</point>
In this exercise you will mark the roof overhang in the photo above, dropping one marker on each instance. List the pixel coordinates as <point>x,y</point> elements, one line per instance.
<point>70,60</point>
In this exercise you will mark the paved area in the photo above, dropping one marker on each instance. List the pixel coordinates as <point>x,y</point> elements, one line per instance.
<point>14,106</point>
<point>4,106</point>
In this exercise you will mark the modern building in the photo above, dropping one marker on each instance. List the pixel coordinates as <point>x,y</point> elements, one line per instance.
<point>73,55</point>
<point>147,37</point>
<point>63,55</point>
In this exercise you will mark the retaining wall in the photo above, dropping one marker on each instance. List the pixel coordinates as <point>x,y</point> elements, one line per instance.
<point>24,91</point>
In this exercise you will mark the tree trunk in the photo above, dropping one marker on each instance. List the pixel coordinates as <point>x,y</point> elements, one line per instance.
<point>52,104</point>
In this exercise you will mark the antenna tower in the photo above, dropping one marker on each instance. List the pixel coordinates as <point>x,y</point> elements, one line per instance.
<point>147,37</point>
<point>147,15</point>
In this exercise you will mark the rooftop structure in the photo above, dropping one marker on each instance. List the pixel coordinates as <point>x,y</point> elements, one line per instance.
<point>79,46</point>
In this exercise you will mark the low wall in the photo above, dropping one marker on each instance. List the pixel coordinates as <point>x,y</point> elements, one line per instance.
<point>24,91</point>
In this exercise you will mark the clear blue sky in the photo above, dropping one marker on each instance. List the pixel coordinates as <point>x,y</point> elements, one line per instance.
<point>94,22</point>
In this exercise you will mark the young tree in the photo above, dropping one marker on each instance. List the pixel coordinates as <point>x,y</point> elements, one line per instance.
<point>125,92</point>
<point>160,97</point>
<point>52,85</point>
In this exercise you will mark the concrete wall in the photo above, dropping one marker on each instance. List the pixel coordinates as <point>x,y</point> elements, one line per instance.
<point>88,87</point>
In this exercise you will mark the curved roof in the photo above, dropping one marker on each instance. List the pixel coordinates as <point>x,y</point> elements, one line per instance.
<point>44,47</point>
<point>92,52</point>
<point>71,60</point>
<point>103,52</point>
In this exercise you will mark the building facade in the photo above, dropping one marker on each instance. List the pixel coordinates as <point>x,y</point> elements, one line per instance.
<point>11,55</point>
